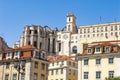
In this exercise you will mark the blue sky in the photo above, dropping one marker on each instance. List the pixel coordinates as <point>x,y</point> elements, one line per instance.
<point>15,14</point>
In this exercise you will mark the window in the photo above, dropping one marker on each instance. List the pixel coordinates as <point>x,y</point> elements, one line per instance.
<point>68,27</point>
<point>98,61</point>
<point>52,72</point>
<point>57,63</point>
<point>8,54</point>
<point>62,62</point>
<point>56,71</point>
<point>111,33</point>
<point>97,35</point>
<point>106,35</point>
<point>93,29</point>
<point>35,76</point>
<point>84,30</point>
<point>69,71</point>
<point>97,49</point>
<point>80,31</point>
<point>7,65</point>
<point>69,62</point>
<point>74,72</point>
<point>101,34</point>
<point>42,77</point>
<point>36,53</point>
<point>16,53</point>
<point>88,30</point>
<point>111,28</point>
<point>111,74</point>
<point>14,76</point>
<point>85,75</point>
<point>43,66</point>
<point>107,49</point>
<point>115,27</point>
<point>35,43</point>
<point>98,74</point>
<point>74,50</point>
<point>22,76</point>
<point>116,34</point>
<point>97,29</point>
<point>89,50</point>
<point>0,54</point>
<point>86,62</point>
<point>30,31</point>
<point>59,47</point>
<point>35,32</point>
<point>101,29</point>
<point>110,60</point>
<point>61,71</point>
<point>53,64</point>
<point>36,65</point>
<point>7,77</point>
<point>105,28</point>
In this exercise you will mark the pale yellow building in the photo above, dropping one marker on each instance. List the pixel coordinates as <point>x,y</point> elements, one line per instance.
<point>99,60</point>
<point>24,63</point>
<point>62,67</point>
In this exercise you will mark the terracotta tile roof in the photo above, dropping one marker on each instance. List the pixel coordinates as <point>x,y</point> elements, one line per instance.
<point>58,57</point>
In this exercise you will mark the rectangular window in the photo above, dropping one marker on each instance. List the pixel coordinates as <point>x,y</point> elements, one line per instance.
<point>62,62</point>
<point>69,71</point>
<point>0,54</point>
<point>93,29</point>
<point>110,60</point>
<point>105,28</point>
<point>56,71</point>
<point>22,76</point>
<point>61,71</point>
<point>111,28</point>
<point>57,63</point>
<point>107,49</point>
<point>85,75</point>
<point>7,77</point>
<point>97,49</point>
<point>89,50</point>
<point>35,76</point>
<point>98,61</point>
<point>43,66</point>
<point>7,65</point>
<point>16,53</point>
<point>86,62</point>
<point>14,76</point>
<point>88,30</point>
<point>36,65</point>
<point>98,74</point>
<point>111,74</point>
<point>8,54</point>
<point>52,72</point>
<point>84,30</point>
<point>59,46</point>
<point>80,31</point>
<point>42,77</point>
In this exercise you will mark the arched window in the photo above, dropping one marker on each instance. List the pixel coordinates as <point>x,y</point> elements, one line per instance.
<point>74,49</point>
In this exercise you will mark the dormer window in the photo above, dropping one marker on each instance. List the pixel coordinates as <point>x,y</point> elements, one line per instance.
<point>17,54</point>
<point>9,55</point>
<point>89,50</point>
<point>107,49</point>
<point>97,49</point>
